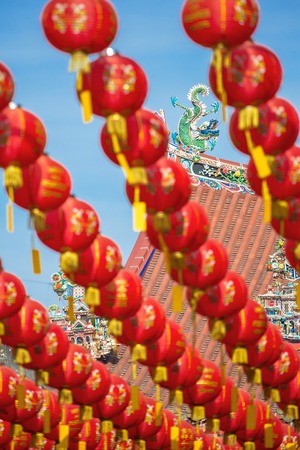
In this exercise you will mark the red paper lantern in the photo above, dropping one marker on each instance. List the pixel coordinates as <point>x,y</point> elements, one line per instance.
<point>285,218</point>
<point>255,432</point>
<point>167,188</point>
<point>146,326</point>
<point>7,86</point>
<point>95,387</point>
<point>50,350</point>
<point>5,432</point>
<point>28,405</point>
<point>25,328</point>
<point>8,391</point>
<point>72,372</point>
<point>68,229</point>
<point>12,294</point>
<point>223,299</point>
<point>46,185</point>
<point>48,416</point>
<point>161,439</point>
<point>236,419</point>
<point>203,267</point>
<point>150,425</point>
<point>88,437</point>
<point>118,85</point>
<point>71,418</point>
<point>221,405</point>
<point>79,26</point>
<point>278,429</point>
<point>252,76</point>
<point>241,329</point>
<point>122,297</point>
<point>284,182</point>
<point>206,389</point>
<point>19,442</point>
<point>277,129</point>
<point>130,417</point>
<point>184,230</point>
<point>147,139</point>
<point>115,400</point>
<point>284,369</point>
<point>290,392</point>
<point>210,23</point>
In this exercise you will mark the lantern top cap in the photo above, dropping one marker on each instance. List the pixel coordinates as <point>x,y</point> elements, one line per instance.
<point>109,51</point>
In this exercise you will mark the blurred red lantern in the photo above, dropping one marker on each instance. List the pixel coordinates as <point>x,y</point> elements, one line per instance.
<point>130,416</point>
<point>7,86</point>
<point>69,426</point>
<point>28,405</point>
<point>9,381</point>
<point>241,329</point>
<point>79,27</point>
<point>50,350</point>
<point>285,217</point>
<point>150,425</point>
<point>25,328</point>
<point>222,404</point>
<point>236,419</point>
<point>68,229</point>
<point>115,400</point>
<point>166,350</point>
<point>203,267</point>
<point>184,230</point>
<point>46,185</point>
<point>122,297</point>
<point>256,431</point>
<point>292,253</point>
<point>88,437</point>
<point>146,326</point>
<point>47,417</point>
<point>19,442</point>
<point>12,294</point>
<point>98,264</point>
<point>95,387</point>
<point>161,439</point>
<point>290,392</point>
<point>167,188</point>
<point>147,139</point>
<point>72,372</point>
<point>5,432</point>
<point>284,369</point>
<point>117,85</point>
<point>277,428</point>
<point>107,440</point>
<point>211,23</point>
<point>221,300</point>
<point>206,389</point>
<point>276,131</point>
<point>251,74</point>
<point>284,182</point>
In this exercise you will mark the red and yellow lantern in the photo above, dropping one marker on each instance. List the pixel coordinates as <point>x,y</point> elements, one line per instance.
<point>7,86</point>
<point>12,295</point>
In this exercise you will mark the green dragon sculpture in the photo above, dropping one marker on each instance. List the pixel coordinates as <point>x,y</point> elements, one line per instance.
<point>196,139</point>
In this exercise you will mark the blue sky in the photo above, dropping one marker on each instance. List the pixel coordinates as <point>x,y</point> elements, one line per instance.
<point>150,32</point>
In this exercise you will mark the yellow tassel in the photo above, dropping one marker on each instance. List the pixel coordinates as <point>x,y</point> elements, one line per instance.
<point>2,329</point>
<point>21,356</point>
<point>161,222</point>
<point>38,440</point>
<point>86,412</point>
<point>13,179</point>
<point>69,261</point>
<point>267,202</point>
<point>218,64</point>
<point>176,397</point>
<point>213,425</point>
<point>115,327</point>
<point>291,446</point>
<point>174,433</point>
<point>229,439</point>
<point>248,118</point>
<point>268,435</point>
<point>217,329</point>
<point>138,175</point>
<point>106,426</point>
<point>275,395</point>
<point>198,413</point>
<point>139,352</point>
<point>41,377</point>
<point>117,126</point>
<point>92,296</point>
<point>16,430</point>
<point>86,104</point>
<point>79,61</point>
<point>198,445</point>
<point>71,315</point>
<point>46,421</point>
<point>234,399</point>
<point>21,396</point>
<point>139,216</point>
<point>135,397</point>
<point>9,218</point>
<point>158,413</point>
<point>177,260</point>
<point>254,375</point>
<point>298,296</point>
<point>81,445</point>
<point>248,445</point>
<point>293,412</point>
<point>177,298</point>
<point>64,436</point>
<point>38,218</point>
<point>141,444</point>
<point>250,417</point>
<point>160,374</point>
<point>122,435</point>
<point>240,356</point>
<point>36,261</point>
<point>65,396</point>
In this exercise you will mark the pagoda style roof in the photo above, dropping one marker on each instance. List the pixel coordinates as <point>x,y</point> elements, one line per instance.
<point>236,221</point>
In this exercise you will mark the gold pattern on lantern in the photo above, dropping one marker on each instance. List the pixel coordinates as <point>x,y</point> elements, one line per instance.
<point>10,293</point>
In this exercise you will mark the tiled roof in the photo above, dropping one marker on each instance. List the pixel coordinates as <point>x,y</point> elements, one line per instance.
<point>236,220</point>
